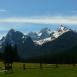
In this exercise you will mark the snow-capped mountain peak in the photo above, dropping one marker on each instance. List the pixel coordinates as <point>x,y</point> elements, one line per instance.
<point>42,34</point>
<point>63,29</point>
<point>60,31</point>
<point>47,35</point>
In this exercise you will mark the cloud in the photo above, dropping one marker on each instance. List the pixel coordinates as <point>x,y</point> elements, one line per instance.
<point>3,10</point>
<point>41,20</point>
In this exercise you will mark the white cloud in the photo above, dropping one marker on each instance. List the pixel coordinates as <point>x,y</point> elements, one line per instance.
<point>3,10</point>
<point>42,20</point>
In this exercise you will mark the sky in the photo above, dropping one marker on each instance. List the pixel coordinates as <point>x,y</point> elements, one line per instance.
<point>32,15</point>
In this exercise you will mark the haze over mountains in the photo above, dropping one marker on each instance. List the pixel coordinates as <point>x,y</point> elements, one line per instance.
<point>42,43</point>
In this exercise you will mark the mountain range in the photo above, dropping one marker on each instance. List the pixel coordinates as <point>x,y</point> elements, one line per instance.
<point>45,45</point>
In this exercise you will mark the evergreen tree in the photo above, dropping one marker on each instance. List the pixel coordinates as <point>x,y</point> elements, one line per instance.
<point>15,53</point>
<point>0,56</point>
<point>8,57</point>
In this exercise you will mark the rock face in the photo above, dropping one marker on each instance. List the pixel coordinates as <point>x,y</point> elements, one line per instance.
<point>44,43</point>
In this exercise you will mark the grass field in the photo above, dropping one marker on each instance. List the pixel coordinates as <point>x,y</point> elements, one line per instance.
<point>33,70</point>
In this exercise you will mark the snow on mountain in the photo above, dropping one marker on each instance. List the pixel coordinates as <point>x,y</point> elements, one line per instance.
<point>40,42</point>
<point>60,31</point>
<point>40,37</point>
<point>47,35</point>
<point>42,34</point>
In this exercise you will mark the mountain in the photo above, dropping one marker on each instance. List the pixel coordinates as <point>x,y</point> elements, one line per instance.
<point>48,35</point>
<point>45,33</point>
<point>60,50</point>
<point>34,35</point>
<point>63,42</point>
<point>45,44</point>
<point>25,45</point>
<point>42,34</point>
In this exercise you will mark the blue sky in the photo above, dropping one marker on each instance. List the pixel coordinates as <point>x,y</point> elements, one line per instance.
<point>32,15</point>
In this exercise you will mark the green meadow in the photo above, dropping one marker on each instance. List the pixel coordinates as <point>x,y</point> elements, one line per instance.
<point>33,70</point>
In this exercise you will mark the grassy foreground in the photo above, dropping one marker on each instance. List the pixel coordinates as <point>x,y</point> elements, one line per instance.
<point>33,70</point>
